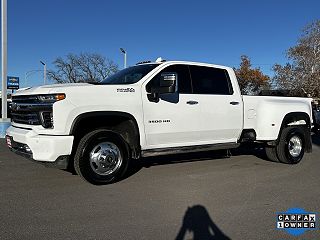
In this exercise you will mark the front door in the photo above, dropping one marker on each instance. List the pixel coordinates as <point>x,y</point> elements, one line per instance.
<point>174,120</point>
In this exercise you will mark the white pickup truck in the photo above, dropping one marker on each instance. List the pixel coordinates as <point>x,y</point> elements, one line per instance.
<point>152,109</point>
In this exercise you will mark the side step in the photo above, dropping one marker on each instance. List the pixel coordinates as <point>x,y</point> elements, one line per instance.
<point>187,149</point>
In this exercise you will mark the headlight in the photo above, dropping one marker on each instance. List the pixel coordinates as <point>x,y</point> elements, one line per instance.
<point>51,98</point>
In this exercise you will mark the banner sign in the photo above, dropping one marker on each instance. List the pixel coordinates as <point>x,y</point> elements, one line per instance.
<point>13,82</point>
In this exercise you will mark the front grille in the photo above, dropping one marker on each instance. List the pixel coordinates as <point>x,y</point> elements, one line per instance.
<point>29,110</point>
<point>30,118</point>
<point>47,119</point>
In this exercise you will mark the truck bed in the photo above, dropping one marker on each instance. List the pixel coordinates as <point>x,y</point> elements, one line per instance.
<point>264,114</point>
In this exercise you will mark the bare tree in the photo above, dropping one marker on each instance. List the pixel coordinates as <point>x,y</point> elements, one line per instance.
<point>86,67</point>
<point>302,74</point>
<point>251,80</point>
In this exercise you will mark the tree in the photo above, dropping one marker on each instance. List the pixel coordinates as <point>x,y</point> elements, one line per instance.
<point>86,67</point>
<point>251,80</point>
<point>301,74</point>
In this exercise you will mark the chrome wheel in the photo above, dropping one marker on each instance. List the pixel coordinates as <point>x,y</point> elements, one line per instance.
<point>105,158</point>
<point>295,146</point>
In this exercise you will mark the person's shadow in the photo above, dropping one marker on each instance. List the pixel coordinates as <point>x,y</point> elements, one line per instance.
<point>198,222</point>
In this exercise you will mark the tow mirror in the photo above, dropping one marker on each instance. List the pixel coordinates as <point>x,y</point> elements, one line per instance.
<point>168,83</point>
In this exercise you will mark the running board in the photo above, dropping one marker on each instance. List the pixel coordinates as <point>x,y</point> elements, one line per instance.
<point>187,149</point>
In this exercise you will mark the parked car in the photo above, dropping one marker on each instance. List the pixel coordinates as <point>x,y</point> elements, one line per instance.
<point>153,109</point>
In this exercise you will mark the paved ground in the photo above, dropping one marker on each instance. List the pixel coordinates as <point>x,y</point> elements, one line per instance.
<point>236,197</point>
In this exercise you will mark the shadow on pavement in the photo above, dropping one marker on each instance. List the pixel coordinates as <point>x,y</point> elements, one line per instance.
<point>254,149</point>
<point>245,149</point>
<point>136,166</point>
<point>198,222</point>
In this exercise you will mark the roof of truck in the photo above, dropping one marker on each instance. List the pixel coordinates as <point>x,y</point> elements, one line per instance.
<point>182,62</point>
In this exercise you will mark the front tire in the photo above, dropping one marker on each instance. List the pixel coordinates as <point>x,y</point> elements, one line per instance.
<point>101,157</point>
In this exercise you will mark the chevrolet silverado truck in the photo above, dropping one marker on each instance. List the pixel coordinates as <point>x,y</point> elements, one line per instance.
<point>153,108</point>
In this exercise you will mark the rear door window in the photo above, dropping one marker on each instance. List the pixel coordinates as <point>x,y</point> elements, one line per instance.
<point>208,80</point>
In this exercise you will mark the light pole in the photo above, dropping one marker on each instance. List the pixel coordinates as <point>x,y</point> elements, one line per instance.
<point>44,72</point>
<point>125,57</point>
<point>4,121</point>
<point>4,57</point>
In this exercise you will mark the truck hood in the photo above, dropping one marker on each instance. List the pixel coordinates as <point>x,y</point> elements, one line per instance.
<point>47,89</point>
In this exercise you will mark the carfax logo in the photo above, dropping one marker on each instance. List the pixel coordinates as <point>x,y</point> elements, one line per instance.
<point>296,221</point>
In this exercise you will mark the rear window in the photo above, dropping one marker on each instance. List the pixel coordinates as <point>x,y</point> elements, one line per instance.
<point>208,80</point>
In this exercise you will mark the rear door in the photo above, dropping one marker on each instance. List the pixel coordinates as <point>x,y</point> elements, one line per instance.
<point>221,108</point>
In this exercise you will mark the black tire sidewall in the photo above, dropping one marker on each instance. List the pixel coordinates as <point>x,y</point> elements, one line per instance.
<point>271,153</point>
<point>85,147</point>
<point>283,150</point>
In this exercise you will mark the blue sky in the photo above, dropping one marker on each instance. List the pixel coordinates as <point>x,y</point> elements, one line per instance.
<point>207,31</point>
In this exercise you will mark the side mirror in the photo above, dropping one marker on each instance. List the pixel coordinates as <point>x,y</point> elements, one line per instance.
<point>168,83</point>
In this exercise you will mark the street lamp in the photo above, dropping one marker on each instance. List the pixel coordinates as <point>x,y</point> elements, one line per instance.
<point>125,57</point>
<point>44,72</point>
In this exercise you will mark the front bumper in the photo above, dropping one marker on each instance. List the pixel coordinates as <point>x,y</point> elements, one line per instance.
<point>42,148</point>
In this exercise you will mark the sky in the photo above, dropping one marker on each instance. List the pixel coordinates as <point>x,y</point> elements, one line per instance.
<point>210,31</point>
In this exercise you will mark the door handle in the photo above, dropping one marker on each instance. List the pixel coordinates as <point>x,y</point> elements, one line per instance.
<point>234,103</point>
<point>192,102</point>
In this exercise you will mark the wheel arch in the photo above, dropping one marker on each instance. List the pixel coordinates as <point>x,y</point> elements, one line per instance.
<point>121,123</point>
<point>294,117</point>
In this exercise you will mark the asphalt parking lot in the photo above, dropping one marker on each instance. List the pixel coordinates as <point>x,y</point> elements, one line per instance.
<point>236,197</point>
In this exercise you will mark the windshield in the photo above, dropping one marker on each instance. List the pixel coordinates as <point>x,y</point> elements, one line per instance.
<point>130,75</point>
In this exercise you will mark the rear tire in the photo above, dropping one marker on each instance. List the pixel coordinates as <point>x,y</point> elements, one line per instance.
<point>291,146</point>
<point>101,157</point>
<point>271,153</point>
